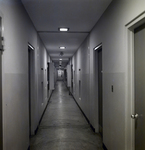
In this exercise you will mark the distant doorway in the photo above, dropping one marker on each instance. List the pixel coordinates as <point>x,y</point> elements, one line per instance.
<point>60,75</point>
<point>30,79</point>
<point>48,80</point>
<point>72,76</point>
<point>100,100</point>
<point>98,64</point>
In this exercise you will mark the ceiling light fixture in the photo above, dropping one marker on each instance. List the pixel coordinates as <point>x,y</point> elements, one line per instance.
<point>60,59</point>
<point>63,29</point>
<point>62,47</point>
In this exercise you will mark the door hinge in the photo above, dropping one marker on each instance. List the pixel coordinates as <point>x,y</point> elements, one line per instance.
<point>134,116</point>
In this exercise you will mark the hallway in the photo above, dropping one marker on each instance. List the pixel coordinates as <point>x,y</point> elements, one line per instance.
<point>63,126</point>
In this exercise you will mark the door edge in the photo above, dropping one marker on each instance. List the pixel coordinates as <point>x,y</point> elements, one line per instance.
<point>129,106</point>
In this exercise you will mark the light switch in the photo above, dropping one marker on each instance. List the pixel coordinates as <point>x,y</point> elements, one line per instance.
<point>112,88</point>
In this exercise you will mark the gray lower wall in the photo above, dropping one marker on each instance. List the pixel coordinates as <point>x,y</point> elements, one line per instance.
<point>110,31</point>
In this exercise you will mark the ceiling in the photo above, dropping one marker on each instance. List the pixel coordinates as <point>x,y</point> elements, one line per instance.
<point>79,16</point>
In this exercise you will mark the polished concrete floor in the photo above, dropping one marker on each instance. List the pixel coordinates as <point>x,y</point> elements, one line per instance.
<point>63,126</point>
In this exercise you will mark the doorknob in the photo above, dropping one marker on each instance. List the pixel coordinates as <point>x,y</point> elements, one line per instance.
<point>134,116</point>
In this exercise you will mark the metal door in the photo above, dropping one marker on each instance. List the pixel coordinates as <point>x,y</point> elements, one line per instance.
<point>1,136</point>
<point>100,99</point>
<point>31,73</point>
<point>29,81</point>
<point>139,83</point>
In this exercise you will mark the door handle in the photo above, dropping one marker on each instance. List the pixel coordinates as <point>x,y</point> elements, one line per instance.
<point>134,116</point>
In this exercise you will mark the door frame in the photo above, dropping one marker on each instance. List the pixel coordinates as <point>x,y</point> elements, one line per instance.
<point>100,100</point>
<point>96,58</point>
<point>130,97</point>
<point>1,79</point>
<point>31,67</point>
<point>1,104</point>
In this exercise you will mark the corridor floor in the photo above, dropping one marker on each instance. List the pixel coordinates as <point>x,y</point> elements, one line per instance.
<point>63,126</point>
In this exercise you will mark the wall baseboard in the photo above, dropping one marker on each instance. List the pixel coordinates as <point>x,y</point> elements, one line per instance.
<point>45,108</point>
<point>82,112</point>
<point>28,148</point>
<point>36,130</point>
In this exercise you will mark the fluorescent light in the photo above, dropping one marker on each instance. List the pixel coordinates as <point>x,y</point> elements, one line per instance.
<point>98,47</point>
<point>29,45</point>
<point>62,47</point>
<point>63,29</point>
<point>60,59</point>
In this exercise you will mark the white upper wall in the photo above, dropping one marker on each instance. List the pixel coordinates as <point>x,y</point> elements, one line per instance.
<point>110,30</point>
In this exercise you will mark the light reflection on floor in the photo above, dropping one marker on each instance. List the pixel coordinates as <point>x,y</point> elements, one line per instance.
<point>63,126</point>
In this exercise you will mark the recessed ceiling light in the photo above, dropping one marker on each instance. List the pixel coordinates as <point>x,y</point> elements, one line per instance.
<point>60,59</point>
<point>63,29</point>
<point>62,47</point>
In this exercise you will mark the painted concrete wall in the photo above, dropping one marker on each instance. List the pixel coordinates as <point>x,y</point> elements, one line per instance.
<point>51,76</point>
<point>42,78</point>
<point>81,63</point>
<point>18,31</point>
<point>110,31</point>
